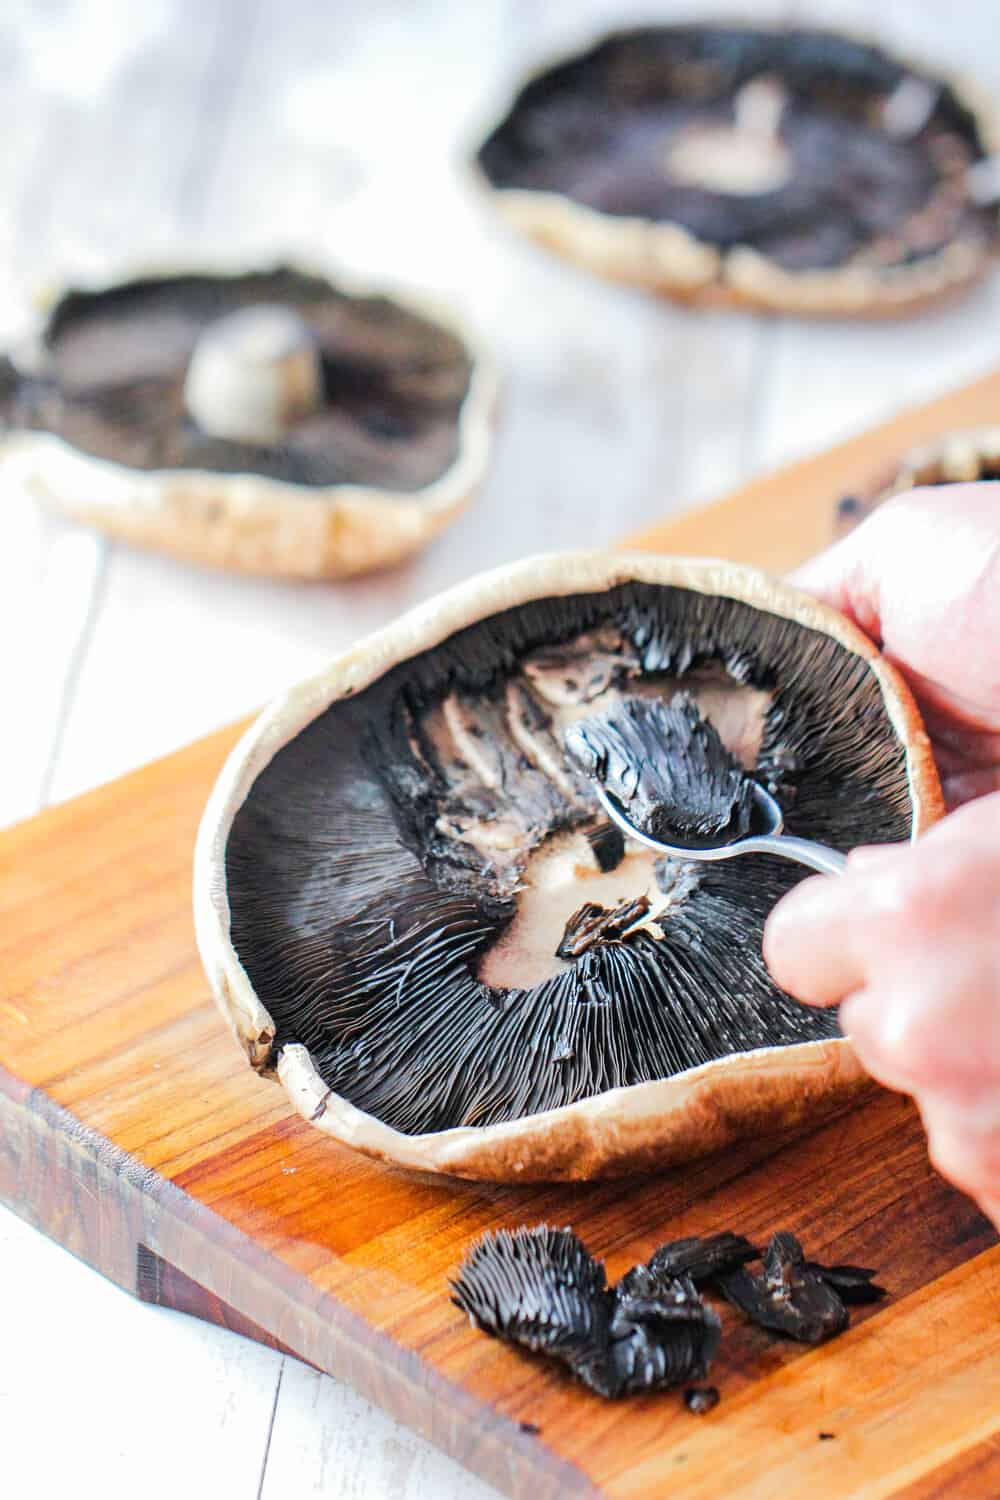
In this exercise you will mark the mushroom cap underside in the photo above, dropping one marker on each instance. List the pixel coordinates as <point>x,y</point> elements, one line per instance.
<point>787,169</point>
<point>388,860</point>
<point>176,411</point>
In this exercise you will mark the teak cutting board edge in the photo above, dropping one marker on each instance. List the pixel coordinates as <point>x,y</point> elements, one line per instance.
<point>132,1133</point>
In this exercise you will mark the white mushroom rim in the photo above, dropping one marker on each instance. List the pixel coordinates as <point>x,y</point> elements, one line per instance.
<point>651,1122</point>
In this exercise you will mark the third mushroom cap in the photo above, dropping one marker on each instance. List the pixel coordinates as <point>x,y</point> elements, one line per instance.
<point>784,169</point>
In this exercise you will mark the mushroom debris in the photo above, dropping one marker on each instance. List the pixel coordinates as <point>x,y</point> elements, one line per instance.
<point>667,767</point>
<point>956,458</point>
<point>786,168</point>
<point>267,419</point>
<point>420,884</point>
<point>541,1289</point>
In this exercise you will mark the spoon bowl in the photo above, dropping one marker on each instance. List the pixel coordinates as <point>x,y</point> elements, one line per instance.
<point>767,838</point>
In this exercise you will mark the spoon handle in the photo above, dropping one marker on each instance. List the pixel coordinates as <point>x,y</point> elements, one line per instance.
<point>806,852</point>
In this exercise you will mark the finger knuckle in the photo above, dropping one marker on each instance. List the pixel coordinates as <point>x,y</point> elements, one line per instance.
<point>917,1048</point>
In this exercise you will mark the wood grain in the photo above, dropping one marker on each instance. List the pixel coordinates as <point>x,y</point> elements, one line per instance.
<point>132,1132</point>
<point>970,1475</point>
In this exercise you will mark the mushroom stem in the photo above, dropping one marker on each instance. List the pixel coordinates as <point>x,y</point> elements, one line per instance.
<point>910,105</point>
<point>759,106</point>
<point>252,374</point>
<point>747,157</point>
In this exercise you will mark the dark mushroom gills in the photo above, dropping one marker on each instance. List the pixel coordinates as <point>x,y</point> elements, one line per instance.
<point>540,1288</point>
<point>420,885</point>
<point>275,373</point>
<point>792,1297</point>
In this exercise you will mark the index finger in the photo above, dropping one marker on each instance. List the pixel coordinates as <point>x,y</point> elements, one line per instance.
<point>809,940</point>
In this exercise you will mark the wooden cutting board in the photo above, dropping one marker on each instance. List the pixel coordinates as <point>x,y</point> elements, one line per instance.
<point>132,1132</point>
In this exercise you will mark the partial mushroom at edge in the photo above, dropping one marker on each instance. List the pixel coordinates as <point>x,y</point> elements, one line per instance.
<point>956,458</point>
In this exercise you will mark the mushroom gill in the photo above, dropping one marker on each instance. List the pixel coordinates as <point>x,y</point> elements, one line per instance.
<point>542,1289</point>
<point>403,871</point>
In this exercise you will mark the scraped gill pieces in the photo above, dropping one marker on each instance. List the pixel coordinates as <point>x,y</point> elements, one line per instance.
<point>667,767</point>
<point>409,844</point>
<point>594,923</point>
<point>785,169</point>
<point>792,1297</point>
<point>661,1332</point>
<point>956,458</point>
<point>267,420</point>
<point>854,1285</point>
<point>703,1259</point>
<point>540,1288</point>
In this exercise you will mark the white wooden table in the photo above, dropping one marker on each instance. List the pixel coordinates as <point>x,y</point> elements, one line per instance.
<point>174,126</point>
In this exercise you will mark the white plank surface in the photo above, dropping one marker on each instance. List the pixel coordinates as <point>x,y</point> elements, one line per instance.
<point>101,1395</point>
<point>171,127</point>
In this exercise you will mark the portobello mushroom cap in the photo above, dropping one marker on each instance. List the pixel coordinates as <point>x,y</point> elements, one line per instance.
<point>788,170</point>
<point>266,420</point>
<point>393,852</point>
<point>956,458</point>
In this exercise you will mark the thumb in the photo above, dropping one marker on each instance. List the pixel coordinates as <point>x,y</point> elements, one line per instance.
<point>846,576</point>
<point>921,575</point>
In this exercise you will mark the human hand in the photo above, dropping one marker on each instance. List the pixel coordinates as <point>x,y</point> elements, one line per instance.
<point>921,577</point>
<point>908,941</point>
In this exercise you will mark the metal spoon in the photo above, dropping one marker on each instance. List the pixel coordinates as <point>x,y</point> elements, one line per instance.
<point>770,841</point>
